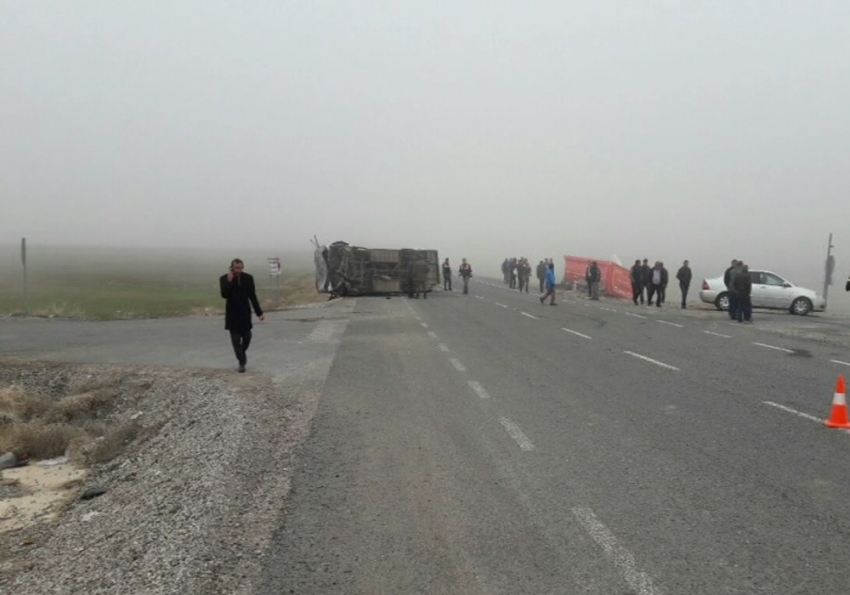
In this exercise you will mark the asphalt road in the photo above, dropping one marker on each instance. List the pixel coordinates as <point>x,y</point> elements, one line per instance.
<point>491,444</point>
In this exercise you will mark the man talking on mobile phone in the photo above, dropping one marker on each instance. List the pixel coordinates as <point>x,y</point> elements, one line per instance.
<point>237,287</point>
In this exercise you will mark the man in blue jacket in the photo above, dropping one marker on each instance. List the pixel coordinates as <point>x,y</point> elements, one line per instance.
<point>550,285</point>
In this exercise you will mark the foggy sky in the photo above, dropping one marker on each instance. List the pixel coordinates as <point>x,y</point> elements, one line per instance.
<point>701,130</point>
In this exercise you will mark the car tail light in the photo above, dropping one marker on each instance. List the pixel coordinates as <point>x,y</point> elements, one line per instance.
<point>705,286</point>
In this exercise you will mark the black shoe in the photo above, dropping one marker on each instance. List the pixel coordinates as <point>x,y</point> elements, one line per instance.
<point>241,368</point>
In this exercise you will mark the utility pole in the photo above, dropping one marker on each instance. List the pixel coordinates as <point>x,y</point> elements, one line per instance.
<point>24,262</point>
<point>830,267</point>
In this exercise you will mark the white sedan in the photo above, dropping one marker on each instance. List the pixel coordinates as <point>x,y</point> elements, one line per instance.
<point>769,291</point>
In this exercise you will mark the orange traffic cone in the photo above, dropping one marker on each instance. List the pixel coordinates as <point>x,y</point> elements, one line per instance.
<point>838,416</point>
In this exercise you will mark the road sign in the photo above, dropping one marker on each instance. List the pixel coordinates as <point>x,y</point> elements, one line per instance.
<point>274,266</point>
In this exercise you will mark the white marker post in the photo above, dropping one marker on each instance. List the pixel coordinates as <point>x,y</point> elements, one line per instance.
<point>274,277</point>
<point>24,262</point>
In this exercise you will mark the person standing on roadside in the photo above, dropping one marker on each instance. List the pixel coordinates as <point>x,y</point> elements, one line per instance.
<point>646,275</point>
<point>550,285</point>
<point>447,275</point>
<point>465,272</point>
<point>237,287</point>
<point>595,278</point>
<point>636,277</point>
<point>541,274</point>
<point>729,280</point>
<point>684,276</point>
<point>743,285</point>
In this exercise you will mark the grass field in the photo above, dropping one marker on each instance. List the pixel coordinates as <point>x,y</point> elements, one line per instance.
<point>101,284</point>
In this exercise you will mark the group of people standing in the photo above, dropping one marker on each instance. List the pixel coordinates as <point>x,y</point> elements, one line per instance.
<point>739,288</point>
<point>517,273</point>
<point>652,281</point>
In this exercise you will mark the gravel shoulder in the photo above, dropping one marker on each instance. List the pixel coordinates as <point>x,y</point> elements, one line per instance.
<point>193,500</point>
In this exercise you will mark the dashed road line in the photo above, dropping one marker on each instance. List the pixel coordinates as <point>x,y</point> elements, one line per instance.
<point>774,347</point>
<point>424,324</point>
<point>607,309</point>
<point>529,315</point>
<point>650,360</point>
<point>432,334</point>
<point>577,334</point>
<point>456,363</point>
<point>479,390</point>
<point>839,362</point>
<point>516,434</point>
<point>443,347</point>
<point>638,581</point>
<point>717,334</point>
<point>794,411</point>
<point>671,323</point>
<point>632,314</point>
<point>501,305</point>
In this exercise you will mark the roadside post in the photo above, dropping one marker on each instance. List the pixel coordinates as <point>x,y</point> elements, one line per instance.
<point>829,269</point>
<point>24,263</point>
<point>274,277</point>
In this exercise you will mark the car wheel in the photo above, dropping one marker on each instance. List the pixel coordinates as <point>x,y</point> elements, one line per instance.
<point>722,302</point>
<point>801,306</point>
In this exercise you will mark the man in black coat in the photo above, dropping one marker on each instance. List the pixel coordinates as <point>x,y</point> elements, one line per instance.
<point>237,287</point>
<point>684,276</point>
<point>636,276</point>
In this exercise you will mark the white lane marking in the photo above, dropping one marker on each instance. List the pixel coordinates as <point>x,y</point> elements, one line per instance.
<point>671,324</point>
<point>529,315</point>
<point>479,390</point>
<point>577,334</point>
<point>432,334</point>
<point>478,297</point>
<point>502,305</point>
<point>607,309</point>
<point>838,361</point>
<point>456,363</point>
<point>794,411</point>
<point>638,581</point>
<point>718,334</point>
<point>424,324</point>
<point>442,347</point>
<point>774,347</point>
<point>516,434</point>
<point>650,360</point>
<point>635,315</point>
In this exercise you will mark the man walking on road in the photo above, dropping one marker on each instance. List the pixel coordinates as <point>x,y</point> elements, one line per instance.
<point>550,285</point>
<point>465,272</point>
<point>447,275</point>
<point>237,287</point>
<point>636,277</point>
<point>684,276</point>
<point>657,283</point>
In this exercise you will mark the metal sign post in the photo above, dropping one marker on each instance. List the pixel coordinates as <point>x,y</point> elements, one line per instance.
<point>274,277</point>
<point>24,262</point>
<point>830,267</point>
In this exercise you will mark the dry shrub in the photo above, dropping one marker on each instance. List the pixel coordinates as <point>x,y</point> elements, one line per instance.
<point>20,405</point>
<point>110,445</point>
<point>85,406</point>
<point>37,440</point>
